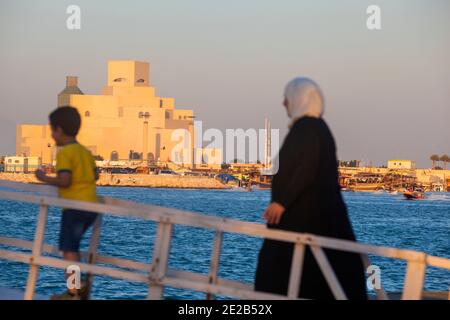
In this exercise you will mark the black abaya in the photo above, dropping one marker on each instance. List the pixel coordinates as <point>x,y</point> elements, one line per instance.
<point>306,184</point>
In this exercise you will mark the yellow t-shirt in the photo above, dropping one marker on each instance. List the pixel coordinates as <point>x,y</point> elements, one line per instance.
<point>80,162</point>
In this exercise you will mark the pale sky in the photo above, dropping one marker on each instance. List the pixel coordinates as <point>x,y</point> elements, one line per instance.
<point>387,92</point>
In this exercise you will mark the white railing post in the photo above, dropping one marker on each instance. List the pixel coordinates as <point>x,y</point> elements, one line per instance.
<point>215,261</point>
<point>328,273</point>
<point>160,260</point>
<point>37,251</point>
<point>296,271</point>
<point>92,252</point>
<point>414,279</point>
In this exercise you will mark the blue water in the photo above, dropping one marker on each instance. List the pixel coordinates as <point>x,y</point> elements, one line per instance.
<point>378,219</point>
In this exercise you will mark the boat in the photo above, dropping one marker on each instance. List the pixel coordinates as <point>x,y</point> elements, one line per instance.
<point>414,195</point>
<point>365,182</point>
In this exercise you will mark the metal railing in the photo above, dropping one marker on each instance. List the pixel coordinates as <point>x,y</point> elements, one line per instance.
<point>157,274</point>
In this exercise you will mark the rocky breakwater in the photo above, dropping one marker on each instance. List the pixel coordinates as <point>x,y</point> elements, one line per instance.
<point>160,181</point>
<point>136,180</point>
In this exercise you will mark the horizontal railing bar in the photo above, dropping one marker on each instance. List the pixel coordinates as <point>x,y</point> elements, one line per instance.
<point>204,279</point>
<point>38,188</point>
<point>123,263</point>
<point>119,262</point>
<point>129,264</point>
<point>190,280</point>
<point>193,281</point>
<point>96,269</point>
<point>15,256</point>
<point>441,295</point>
<point>63,264</point>
<point>217,289</point>
<point>438,262</point>
<point>26,244</point>
<point>155,213</point>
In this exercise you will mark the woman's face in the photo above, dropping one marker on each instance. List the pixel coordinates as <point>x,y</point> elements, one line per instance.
<point>285,104</point>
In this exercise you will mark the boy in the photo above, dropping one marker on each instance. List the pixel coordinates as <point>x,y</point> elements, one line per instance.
<point>75,179</point>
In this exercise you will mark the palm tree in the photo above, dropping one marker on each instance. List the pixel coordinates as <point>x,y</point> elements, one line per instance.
<point>445,158</point>
<point>434,158</point>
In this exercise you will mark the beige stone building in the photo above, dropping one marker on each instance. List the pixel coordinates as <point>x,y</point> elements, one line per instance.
<point>401,164</point>
<point>126,121</point>
<point>21,164</point>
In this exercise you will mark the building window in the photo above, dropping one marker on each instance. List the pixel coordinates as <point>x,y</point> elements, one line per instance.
<point>160,103</point>
<point>167,114</point>
<point>141,114</point>
<point>140,81</point>
<point>87,114</point>
<point>120,80</point>
<point>147,115</point>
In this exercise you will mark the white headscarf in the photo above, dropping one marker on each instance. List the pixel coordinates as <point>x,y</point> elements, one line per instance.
<point>304,98</point>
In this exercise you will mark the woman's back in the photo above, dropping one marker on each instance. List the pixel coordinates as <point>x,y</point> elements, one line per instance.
<point>306,198</point>
<point>319,207</point>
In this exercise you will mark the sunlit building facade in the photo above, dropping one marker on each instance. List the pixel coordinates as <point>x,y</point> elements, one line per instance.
<point>127,121</point>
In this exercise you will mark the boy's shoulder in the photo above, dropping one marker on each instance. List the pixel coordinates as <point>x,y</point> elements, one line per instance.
<point>74,148</point>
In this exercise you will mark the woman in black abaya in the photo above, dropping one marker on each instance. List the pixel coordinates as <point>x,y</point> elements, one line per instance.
<point>306,198</point>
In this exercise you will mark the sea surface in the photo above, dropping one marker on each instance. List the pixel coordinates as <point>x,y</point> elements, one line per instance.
<point>378,218</point>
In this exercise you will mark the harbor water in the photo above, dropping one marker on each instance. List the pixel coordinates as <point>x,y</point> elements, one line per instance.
<point>378,218</point>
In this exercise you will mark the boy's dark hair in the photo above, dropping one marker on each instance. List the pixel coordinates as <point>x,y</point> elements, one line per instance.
<point>67,118</point>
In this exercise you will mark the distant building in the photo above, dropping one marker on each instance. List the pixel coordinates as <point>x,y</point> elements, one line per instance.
<point>21,164</point>
<point>128,121</point>
<point>349,164</point>
<point>245,167</point>
<point>401,164</point>
<point>208,157</point>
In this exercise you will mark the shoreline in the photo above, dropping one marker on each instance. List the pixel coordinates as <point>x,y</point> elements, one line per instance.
<point>135,180</point>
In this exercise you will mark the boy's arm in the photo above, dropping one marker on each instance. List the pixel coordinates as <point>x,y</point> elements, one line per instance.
<point>62,180</point>
<point>96,174</point>
<point>96,171</point>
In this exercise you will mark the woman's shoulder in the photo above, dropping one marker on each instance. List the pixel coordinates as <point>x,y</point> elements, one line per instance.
<point>309,124</point>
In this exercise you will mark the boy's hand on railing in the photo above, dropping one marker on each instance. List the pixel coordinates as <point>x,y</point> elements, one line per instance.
<point>40,175</point>
<point>273,213</point>
<point>62,179</point>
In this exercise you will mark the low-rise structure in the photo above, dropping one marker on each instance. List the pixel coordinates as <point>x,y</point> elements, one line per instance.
<point>21,164</point>
<point>401,164</point>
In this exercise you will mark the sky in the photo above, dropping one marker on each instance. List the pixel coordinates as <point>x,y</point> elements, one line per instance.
<point>387,91</point>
